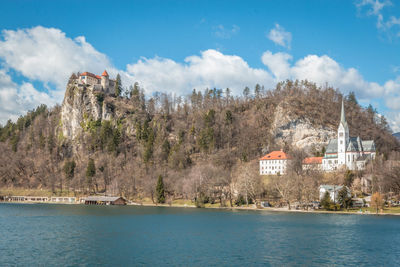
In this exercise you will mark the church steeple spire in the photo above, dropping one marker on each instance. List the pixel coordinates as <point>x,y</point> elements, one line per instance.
<point>342,115</point>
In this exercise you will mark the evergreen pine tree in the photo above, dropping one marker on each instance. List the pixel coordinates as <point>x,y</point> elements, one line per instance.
<point>326,201</point>
<point>344,199</point>
<point>160,192</point>
<point>90,172</point>
<point>118,85</point>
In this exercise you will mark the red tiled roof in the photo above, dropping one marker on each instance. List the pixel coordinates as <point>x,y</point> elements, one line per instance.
<point>313,160</point>
<point>275,155</point>
<point>104,73</point>
<point>90,74</point>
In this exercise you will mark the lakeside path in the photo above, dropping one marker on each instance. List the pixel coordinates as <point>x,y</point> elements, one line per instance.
<point>250,208</point>
<point>254,208</point>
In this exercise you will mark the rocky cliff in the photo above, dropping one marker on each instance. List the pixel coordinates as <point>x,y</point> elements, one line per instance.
<point>299,132</point>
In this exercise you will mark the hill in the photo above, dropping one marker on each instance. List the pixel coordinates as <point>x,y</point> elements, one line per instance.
<point>132,140</point>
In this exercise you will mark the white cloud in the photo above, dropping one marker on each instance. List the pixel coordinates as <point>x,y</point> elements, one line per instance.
<point>374,8</point>
<point>226,33</point>
<point>279,36</point>
<point>210,69</point>
<point>394,121</point>
<point>321,70</point>
<point>47,55</point>
<point>278,64</point>
<point>18,99</point>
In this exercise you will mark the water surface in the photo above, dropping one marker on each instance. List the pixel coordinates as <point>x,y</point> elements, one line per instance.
<point>76,235</point>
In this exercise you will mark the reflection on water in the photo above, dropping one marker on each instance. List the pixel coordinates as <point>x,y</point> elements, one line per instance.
<point>69,235</point>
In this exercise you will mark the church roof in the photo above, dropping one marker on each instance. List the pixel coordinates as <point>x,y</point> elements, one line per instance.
<point>355,144</point>
<point>332,146</point>
<point>368,145</point>
<point>343,116</point>
<point>104,73</point>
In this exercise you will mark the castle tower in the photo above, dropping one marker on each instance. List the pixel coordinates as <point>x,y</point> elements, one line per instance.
<point>105,82</point>
<point>343,137</point>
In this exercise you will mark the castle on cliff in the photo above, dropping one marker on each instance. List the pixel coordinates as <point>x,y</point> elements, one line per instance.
<point>101,83</point>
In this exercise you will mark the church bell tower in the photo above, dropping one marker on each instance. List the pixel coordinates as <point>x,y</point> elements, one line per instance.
<point>343,137</point>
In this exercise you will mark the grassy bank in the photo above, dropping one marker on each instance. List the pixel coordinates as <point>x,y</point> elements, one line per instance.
<point>12,191</point>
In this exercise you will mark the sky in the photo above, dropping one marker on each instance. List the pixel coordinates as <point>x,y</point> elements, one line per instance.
<point>175,46</point>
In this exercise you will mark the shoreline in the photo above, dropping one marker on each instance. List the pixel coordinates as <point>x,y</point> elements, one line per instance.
<point>267,209</point>
<point>271,209</point>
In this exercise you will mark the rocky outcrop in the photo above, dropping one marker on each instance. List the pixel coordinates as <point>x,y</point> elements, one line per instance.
<point>82,104</point>
<point>299,132</point>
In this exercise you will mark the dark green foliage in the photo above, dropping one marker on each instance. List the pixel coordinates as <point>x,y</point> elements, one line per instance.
<point>181,136</point>
<point>148,153</point>
<point>69,169</point>
<point>201,199</point>
<point>166,147</point>
<point>228,117</point>
<point>209,118</point>
<point>344,198</point>
<point>160,191</point>
<point>13,131</point>
<point>352,98</point>
<point>90,172</point>
<point>100,98</point>
<point>349,178</point>
<point>42,140</point>
<point>110,136</point>
<point>246,92</point>
<point>51,143</point>
<point>118,85</point>
<point>105,136</point>
<point>14,142</point>
<point>241,200</point>
<point>206,139</point>
<point>326,201</point>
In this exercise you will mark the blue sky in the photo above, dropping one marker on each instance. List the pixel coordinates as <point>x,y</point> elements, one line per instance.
<point>174,46</point>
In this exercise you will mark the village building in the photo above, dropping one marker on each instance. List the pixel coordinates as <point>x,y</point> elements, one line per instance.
<point>26,199</point>
<point>103,200</point>
<point>100,83</point>
<point>274,163</point>
<point>345,151</point>
<point>312,163</point>
<point>63,199</point>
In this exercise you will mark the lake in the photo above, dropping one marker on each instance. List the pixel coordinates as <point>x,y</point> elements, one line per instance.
<point>77,235</point>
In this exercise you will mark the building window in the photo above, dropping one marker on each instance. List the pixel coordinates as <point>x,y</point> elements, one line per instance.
<point>341,142</point>
<point>340,134</point>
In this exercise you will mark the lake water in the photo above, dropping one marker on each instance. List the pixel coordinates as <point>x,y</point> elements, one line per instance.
<point>76,235</point>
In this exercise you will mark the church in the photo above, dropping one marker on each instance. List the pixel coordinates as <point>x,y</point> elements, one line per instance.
<point>345,151</point>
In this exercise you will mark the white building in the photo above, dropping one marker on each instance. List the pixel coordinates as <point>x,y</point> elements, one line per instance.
<point>312,163</point>
<point>274,163</point>
<point>333,191</point>
<point>345,151</point>
<point>101,83</point>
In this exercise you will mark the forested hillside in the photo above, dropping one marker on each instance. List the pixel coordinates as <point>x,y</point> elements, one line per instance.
<point>201,144</point>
